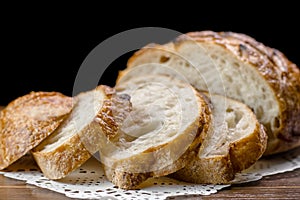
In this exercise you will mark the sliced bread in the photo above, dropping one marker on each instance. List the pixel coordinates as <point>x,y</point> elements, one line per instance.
<point>163,132</point>
<point>28,120</point>
<point>95,118</point>
<point>234,142</point>
<point>262,78</point>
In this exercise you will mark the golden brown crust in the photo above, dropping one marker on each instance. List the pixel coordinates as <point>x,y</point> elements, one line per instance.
<point>253,146</point>
<point>111,117</point>
<point>65,159</point>
<point>207,171</point>
<point>128,180</point>
<point>28,120</point>
<point>282,76</point>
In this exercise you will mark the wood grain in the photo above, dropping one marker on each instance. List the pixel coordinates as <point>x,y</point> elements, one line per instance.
<point>279,186</point>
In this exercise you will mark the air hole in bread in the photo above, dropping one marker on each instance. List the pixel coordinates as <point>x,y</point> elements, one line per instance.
<point>164,59</point>
<point>233,117</point>
<point>228,110</point>
<point>213,56</point>
<point>276,122</point>
<point>238,91</point>
<point>238,117</point>
<point>269,105</point>
<point>188,99</point>
<point>259,112</point>
<point>245,126</point>
<point>229,79</point>
<point>235,64</point>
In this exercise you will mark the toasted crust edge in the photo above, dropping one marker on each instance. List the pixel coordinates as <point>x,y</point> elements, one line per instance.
<point>65,159</point>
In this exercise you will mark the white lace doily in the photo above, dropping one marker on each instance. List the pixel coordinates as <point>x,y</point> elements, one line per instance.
<point>89,182</point>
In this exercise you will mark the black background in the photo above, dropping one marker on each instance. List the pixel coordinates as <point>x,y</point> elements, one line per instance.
<point>43,49</point>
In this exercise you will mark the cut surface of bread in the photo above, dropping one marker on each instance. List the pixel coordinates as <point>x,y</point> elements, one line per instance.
<point>234,142</point>
<point>29,119</point>
<point>94,119</point>
<point>163,132</point>
<point>260,77</point>
<point>288,71</point>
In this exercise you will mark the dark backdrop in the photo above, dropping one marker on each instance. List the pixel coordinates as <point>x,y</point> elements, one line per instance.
<point>43,50</point>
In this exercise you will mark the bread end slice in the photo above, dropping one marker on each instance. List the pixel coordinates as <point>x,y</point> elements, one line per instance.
<point>28,120</point>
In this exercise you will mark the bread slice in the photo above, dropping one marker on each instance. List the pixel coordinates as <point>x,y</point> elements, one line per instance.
<point>262,78</point>
<point>163,132</point>
<point>94,119</point>
<point>29,119</point>
<point>234,142</point>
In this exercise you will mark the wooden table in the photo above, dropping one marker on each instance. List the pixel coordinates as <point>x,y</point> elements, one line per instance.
<point>280,186</point>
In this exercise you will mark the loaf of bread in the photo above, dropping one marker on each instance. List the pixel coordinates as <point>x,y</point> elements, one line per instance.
<point>95,118</point>
<point>239,67</point>
<point>162,134</point>
<point>28,120</point>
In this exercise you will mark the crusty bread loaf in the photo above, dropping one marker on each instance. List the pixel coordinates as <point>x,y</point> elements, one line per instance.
<point>234,142</point>
<point>240,68</point>
<point>162,133</point>
<point>29,119</point>
<point>95,118</point>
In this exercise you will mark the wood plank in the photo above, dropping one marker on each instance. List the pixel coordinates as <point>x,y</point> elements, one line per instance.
<point>279,186</point>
